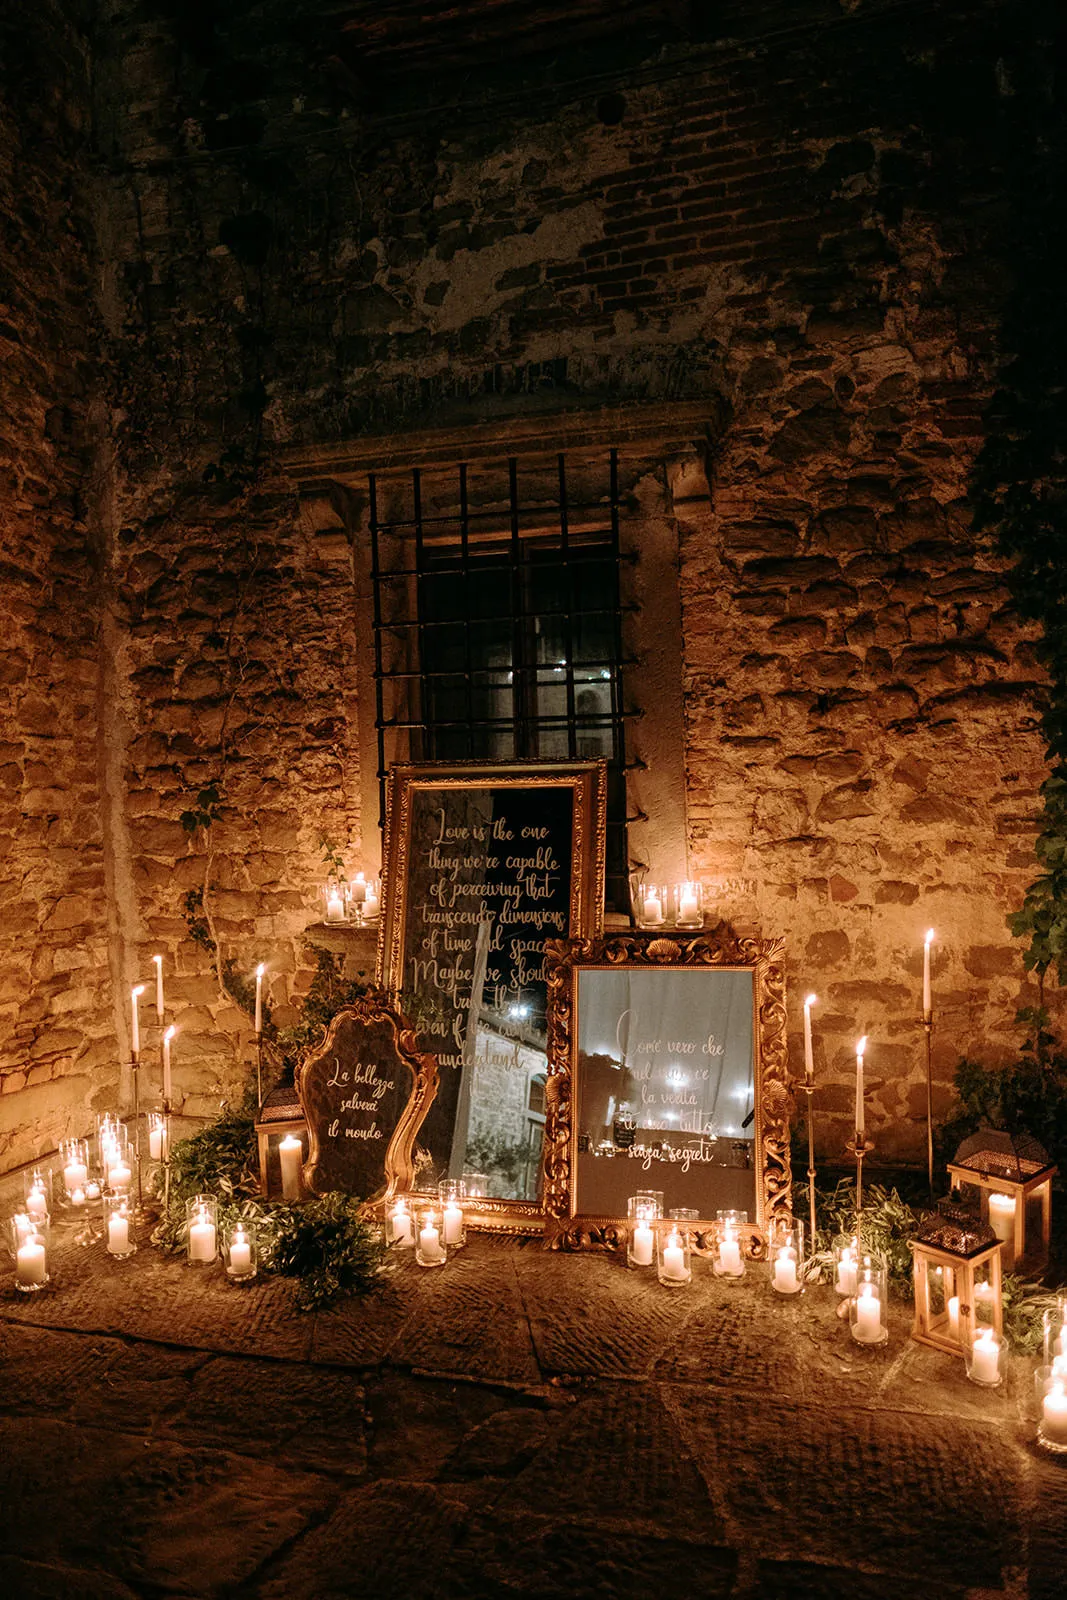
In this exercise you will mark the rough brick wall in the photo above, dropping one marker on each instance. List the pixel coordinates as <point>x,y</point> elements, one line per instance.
<point>55,1008</point>
<point>798,222</point>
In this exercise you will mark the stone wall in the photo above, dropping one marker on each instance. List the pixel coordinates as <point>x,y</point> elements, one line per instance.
<point>55,992</point>
<point>797,223</point>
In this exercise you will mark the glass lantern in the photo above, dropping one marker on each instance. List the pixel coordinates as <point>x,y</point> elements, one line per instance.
<point>845,1251</point>
<point>867,1310</point>
<point>400,1225</point>
<point>118,1226</point>
<point>984,1359</point>
<point>157,1136</point>
<point>38,1192</point>
<point>430,1250</point>
<point>642,1211</point>
<point>785,1256</point>
<point>651,903</point>
<point>74,1158</point>
<point>453,1229</point>
<point>672,1254</point>
<point>239,1252</point>
<point>728,1261</point>
<point>687,905</point>
<point>201,1230</point>
<point>1013,1175</point>
<point>28,1239</point>
<point>956,1278</point>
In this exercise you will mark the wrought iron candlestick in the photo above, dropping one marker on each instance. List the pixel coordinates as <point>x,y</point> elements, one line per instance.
<point>809,1090</point>
<point>859,1146</point>
<point>928,1027</point>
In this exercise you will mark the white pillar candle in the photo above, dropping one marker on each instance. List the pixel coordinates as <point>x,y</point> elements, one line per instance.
<point>155,1142</point>
<point>158,960</point>
<point>860,1049</point>
<point>403,1231</point>
<point>202,1238</point>
<point>868,1315</point>
<point>1002,1217</point>
<point>358,889</point>
<point>119,1176</point>
<point>928,1010</point>
<point>335,907</point>
<point>846,1274</point>
<point>74,1175</point>
<point>371,903</point>
<point>290,1155</point>
<point>809,1059</point>
<point>673,1259</point>
<point>77,1197</point>
<point>653,907</point>
<point>118,1234</point>
<point>430,1243</point>
<point>92,1191</point>
<point>260,970</point>
<point>985,1357</point>
<point>167,1037</point>
<point>785,1273</point>
<point>30,1265</point>
<point>954,1316</point>
<point>1054,1415</point>
<point>36,1203</point>
<point>240,1254</point>
<point>687,901</point>
<point>453,1223</point>
<point>135,1020</point>
<point>641,1245</point>
<point>730,1257</point>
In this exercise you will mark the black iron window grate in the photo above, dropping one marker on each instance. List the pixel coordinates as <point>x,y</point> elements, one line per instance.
<point>498,623</point>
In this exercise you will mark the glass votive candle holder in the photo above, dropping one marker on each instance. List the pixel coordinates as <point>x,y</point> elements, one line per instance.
<point>27,1239</point>
<point>642,1211</point>
<point>430,1249</point>
<point>117,1228</point>
<point>239,1252</point>
<point>201,1230</point>
<point>651,903</point>
<point>1052,1422</point>
<point>453,1227</point>
<point>372,904</point>
<point>785,1257</point>
<point>1054,1332</point>
<point>74,1158</point>
<point>38,1193</point>
<point>728,1260</point>
<point>476,1185</point>
<point>400,1225</point>
<point>845,1249</point>
<point>157,1136</point>
<point>867,1318</point>
<point>117,1160</point>
<point>687,900</point>
<point>984,1359</point>
<point>672,1254</point>
<point>335,899</point>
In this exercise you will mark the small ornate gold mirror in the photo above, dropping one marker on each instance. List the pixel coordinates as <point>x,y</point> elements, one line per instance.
<point>667,1072</point>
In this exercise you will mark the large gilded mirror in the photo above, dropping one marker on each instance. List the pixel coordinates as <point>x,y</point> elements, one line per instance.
<point>667,1071</point>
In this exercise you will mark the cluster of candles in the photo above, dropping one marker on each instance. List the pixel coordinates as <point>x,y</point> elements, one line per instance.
<point>1050,1381</point>
<point>665,1242</point>
<point>680,905</point>
<point>358,900</point>
<point>431,1230</point>
<point>206,1242</point>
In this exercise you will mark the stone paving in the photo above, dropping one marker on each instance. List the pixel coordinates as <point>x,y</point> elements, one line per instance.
<point>519,1424</point>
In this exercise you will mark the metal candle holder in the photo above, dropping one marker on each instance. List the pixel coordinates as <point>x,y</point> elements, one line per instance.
<point>859,1146</point>
<point>928,1026</point>
<point>809,1090</point>
<point>135,1068</point>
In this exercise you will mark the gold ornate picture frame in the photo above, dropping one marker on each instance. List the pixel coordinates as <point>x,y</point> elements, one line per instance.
<point>484,863</point>
<point>573,1049</point>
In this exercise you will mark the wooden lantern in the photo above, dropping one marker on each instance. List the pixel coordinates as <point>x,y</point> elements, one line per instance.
<point>280,1116</point>
<point>956,1270</point>
<point>1013,1176</point>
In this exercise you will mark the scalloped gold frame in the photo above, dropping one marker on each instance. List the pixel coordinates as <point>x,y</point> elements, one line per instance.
<point>587,781</point>
<point>721,949</point>
<point>399,1160</point>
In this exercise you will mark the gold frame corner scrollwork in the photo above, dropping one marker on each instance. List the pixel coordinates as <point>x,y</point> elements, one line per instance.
<point>720,948</point>
<point>398,1163</point>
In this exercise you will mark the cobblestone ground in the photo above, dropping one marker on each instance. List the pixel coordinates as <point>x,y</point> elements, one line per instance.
<point>518,1424</point>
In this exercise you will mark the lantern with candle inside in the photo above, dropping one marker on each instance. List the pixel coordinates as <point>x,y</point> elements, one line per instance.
<point>118,1231</point>
<point>1013,1176</point>
<point>157,1136</point>
<point>450,1195</point>
<point>74,1161</point>
<point>201,1230</point>
<point>38,1193</point>
<point>281,1118</point>
<point>673,1267</point>
<point>845,1250</point>
<point>727,1255</point>
<point>867,1318</point>
<point>956,1278</point>
<point>785,1255</point>
<point>239,1252</point>
<point>430,1248</point>
<point>687,905</point>
<point>27,1241</point>
<point>400,1224</point>
<point>642,1211</point>
<point>650,901</point>
<point>984,1357</point>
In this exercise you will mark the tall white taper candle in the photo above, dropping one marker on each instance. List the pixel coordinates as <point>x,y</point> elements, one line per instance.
<point>928,1010</point>
<point>158,960</point>
<point>860,1048</point>
<point>809,1059</point>
<point>135,1021</point>
<point>260,970</point>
